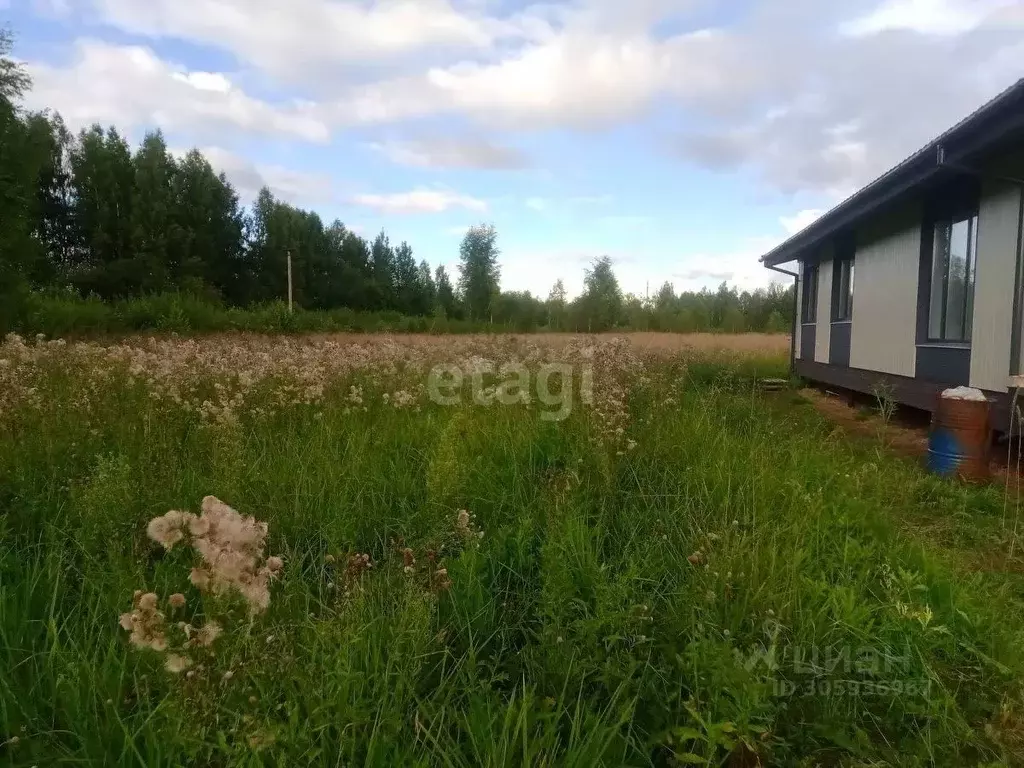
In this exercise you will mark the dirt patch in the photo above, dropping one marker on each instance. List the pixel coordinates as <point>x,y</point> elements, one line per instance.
<point>905,434</point>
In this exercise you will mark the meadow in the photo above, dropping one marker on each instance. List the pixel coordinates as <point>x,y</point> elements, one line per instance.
<point>245,550</point>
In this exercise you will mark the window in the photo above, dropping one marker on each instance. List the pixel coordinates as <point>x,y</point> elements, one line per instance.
<point>842,298</point>
<point>809,310</point>
<point>954,259</point>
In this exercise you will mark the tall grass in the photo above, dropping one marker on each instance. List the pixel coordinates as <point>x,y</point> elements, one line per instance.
<point>733,589</point>
<point>60,316</point>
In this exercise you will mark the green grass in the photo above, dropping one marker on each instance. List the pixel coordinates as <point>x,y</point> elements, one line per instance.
<point>812,627</point>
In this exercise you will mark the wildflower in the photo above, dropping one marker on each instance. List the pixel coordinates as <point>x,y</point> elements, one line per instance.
<point>198,526</point>
<point>167,530</point>
<point>208,633</point>
<point>148,601</point>
<point>329,559</point>
<point>200,578</point>
<point>145,623</point>
<point>177,600</point>
<point>228,675</point>
<point>697,558</point>
<point>176,664</point>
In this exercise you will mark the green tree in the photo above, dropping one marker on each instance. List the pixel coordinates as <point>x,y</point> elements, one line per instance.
<point>406,280</point>
<point>446,301</point>
<point>152,211</point>
<point>56,226</point>
<point>556,304</point>
<point>478,270</point>
<point>20,163</point>
<point>601,302</point>
<point>382,262</point>
<point>104,181</point>
<point>427,290</point>
<point>206,232</point>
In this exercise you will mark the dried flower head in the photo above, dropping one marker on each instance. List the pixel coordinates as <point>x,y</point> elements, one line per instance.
<point>208,633</point>
<point>231,547</point>
<point>177,600</point>
<point>145,623</point>
<point>358,564</point>
<point>176,664</point>
<point>167,530</point>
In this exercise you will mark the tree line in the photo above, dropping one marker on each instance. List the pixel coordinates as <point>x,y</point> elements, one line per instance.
<point>86,215</point>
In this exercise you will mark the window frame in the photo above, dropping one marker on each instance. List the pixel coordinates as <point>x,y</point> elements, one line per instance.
<point>809,296</point>
<point>843,270</point>
<point>942,237</point>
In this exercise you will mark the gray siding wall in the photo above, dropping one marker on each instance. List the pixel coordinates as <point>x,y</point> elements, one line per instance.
<point>799,307</point>
<point>998,223</point>
<point>884,333</point>
<point>823,333</point>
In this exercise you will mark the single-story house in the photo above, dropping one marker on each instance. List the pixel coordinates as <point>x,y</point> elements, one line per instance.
<point>916,283</point>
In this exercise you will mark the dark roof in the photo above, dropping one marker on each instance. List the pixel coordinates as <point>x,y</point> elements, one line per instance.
<point>981,131</point>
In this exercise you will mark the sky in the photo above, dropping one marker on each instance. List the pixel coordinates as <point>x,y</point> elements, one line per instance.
<point>682,138</point>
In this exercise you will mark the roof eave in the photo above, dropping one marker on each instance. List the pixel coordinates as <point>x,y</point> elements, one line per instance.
<point>848,214</point>
<point>1000,118</point>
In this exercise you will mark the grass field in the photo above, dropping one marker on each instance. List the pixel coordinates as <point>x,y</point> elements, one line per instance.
<point>614,553</point>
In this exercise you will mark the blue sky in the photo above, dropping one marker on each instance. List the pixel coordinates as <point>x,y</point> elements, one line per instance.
<point>681,137</point>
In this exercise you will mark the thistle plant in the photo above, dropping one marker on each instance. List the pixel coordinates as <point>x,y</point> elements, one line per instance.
<point>230,547</point>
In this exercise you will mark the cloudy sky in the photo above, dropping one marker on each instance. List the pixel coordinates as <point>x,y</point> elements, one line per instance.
<point>681,137</point>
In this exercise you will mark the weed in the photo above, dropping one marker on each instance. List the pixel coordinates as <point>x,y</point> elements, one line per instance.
<point>675,573</point>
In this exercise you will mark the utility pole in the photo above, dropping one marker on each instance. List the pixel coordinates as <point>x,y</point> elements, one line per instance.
<point>289,281</point>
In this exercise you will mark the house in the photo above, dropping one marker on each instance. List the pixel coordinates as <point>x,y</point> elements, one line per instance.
<point>916,283</point>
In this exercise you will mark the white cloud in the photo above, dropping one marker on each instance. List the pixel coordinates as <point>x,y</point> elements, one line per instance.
<point>749,97</point>
<point>800,220</point>
<point>574,78</point>
<point>453,152</point>
<point>419,201</point>
<point>303,36</point>
<point>929,17</point>
<point>133,88</point>
<point>868,102</point>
